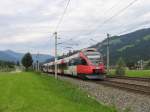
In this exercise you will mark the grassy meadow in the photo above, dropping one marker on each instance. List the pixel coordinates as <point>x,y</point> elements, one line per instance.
<point>33,92</point>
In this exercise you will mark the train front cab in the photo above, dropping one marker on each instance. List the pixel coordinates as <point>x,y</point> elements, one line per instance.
<point>81,68</point>
<point>89,71</point>
<point>91,66</point>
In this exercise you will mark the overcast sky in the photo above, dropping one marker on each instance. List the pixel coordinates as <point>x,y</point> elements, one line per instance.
<point>28,25</point>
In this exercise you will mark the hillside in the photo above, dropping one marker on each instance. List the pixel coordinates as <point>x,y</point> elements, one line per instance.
<point>131,47</point>
<point>9,55</point>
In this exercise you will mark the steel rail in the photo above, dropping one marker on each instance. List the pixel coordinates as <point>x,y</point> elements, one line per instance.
<point>126,86</point>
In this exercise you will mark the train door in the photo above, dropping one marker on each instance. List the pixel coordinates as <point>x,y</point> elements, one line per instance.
<point>72,67</point>
<point>64,68</point>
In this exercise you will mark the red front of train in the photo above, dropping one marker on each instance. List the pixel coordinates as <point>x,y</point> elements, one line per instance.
<point>92,66</point>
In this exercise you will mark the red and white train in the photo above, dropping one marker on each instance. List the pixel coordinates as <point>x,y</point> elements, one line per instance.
<point>85,64</point>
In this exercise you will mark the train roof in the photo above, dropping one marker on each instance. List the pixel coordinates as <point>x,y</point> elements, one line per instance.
<point>70,57</point>
<point>66,59</point>
<point>59,61</point>
<point>88,49</point>
<point>45,64</point>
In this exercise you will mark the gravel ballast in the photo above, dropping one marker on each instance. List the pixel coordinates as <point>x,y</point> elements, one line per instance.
<point>124,101</point>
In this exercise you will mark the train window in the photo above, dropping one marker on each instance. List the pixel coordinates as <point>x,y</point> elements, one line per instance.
<point>83,62</point>
<point>60,66</point>
<point>77,61</point>
<point>53,67</point>
<point>71,62</point>
<point>64,66</point>
<point>80,61</point>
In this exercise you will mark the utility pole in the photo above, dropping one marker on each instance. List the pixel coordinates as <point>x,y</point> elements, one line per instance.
<point>55,34</point>
<point>141,64</point>
<point>37,62</point>
<point>108,37</point>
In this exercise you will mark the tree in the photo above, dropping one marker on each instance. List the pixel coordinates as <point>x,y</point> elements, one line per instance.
<point>27,60</point>
<point>120,69</point>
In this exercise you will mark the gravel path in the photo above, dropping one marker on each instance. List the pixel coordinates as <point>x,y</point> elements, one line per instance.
<point>124,101</point>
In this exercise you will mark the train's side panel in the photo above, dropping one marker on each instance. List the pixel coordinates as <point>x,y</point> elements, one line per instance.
<point>82,69</point>
<point>49,70</point>
<point>67,71</point>
<point>71,70</point>
<point>59,71</point>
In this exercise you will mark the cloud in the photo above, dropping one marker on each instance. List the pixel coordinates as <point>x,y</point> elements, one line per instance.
<point>28,25</point>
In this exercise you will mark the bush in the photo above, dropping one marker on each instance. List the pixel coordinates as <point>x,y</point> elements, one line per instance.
<point>120,69</point>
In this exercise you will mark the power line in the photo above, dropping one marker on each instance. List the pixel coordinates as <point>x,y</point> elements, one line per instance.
<point>104,22</point>
<point>65,10</point>
<point>108,10</point>
<point>76,30</point>
<point>133,28</point>
<point>116,14</point>
<point>79,30</point>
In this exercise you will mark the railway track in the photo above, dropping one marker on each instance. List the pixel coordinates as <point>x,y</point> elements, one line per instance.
<point>126,86</point>
<point>137,81</point>
<point>136,88</point>
<point>131,78</point>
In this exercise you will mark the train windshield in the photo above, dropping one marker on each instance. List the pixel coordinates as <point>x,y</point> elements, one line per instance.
<point>94,57</point>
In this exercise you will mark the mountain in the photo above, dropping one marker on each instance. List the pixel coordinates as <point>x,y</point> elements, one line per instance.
<point>131,47</point>
<point>12,56</point>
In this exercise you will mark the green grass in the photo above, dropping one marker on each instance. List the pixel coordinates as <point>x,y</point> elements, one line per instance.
<point>33,92</point>
<point>135,73</point>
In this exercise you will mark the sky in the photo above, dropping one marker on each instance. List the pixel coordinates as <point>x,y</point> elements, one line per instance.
<point>28,25</point>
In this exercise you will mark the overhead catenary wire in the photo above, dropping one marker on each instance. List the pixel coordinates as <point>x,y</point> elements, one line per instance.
<point>105,21</point>
<point>137,28</point>
<point>61,18</point>
<point>79,30</point>
<point>115,15</point>
<point>108,10</point>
